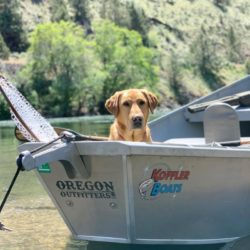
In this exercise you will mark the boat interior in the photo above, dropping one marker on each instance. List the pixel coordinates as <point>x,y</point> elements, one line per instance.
<point>221,126</point>
<point>222,118</point>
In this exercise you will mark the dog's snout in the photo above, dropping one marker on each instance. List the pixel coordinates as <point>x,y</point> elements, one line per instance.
<point>137,121</point>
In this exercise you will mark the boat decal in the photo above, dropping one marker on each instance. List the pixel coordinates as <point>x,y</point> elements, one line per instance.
<point>86,189</point>
<point>161,179</point>
<point>44,168</point>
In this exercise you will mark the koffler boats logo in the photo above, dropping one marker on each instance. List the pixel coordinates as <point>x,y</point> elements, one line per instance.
<point>161,179</point>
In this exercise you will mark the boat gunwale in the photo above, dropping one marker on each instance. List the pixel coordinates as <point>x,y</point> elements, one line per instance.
<point>116,148</point>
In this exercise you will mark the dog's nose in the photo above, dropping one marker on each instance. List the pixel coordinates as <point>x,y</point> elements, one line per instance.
<point>137,121</point>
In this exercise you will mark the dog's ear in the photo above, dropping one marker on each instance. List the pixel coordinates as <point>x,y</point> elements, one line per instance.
<point>112,104</point>
<point>151,98</point>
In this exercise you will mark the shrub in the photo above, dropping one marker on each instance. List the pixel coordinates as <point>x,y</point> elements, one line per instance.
<point>59,11</point>
<point>4,50</point>
<point>11,26</point>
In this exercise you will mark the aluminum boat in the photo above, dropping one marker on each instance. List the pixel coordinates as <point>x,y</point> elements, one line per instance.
<point>190,186</point>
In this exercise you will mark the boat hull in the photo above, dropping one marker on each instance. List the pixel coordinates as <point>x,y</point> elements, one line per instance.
<point>153,193</point>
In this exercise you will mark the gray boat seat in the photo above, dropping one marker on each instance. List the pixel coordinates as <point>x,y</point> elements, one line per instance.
<point>221,123</point>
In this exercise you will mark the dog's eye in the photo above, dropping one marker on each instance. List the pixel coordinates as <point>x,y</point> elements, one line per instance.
<point>126,104</point>
<point>141,103</point>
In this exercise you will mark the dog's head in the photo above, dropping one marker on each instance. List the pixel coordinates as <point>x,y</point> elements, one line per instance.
<point>131,107</point>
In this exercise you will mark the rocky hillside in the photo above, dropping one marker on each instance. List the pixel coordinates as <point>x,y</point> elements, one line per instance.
<point>200,45</point>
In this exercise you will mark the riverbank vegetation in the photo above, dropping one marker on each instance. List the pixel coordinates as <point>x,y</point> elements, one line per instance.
<point>68,57</point>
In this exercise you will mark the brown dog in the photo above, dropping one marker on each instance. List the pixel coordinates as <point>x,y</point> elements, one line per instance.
<point>131,109</point>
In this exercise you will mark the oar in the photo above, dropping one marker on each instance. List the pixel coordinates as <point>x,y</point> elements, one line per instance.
<point>78,137</point>
<point>32,125</point>
<point>242,99</point>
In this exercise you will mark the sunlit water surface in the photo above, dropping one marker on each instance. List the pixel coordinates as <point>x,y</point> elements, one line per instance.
<point>29,212</point>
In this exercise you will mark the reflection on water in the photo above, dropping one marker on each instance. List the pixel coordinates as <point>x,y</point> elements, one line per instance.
<point>29,212</point>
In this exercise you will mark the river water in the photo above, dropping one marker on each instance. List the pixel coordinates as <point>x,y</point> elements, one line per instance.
<point>29,212</point>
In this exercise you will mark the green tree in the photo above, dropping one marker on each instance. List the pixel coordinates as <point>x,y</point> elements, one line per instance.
<point>139,22</point>
<point>234,43</point>
<point>69,72</point>
<point>60,69</point>
<point>4,110</point>
<point>11,26</point>
<point>206,51</point>
<point>81,14</point>
<point>222,4</point>
<point>59,11</point>
<point>126,62</point>
<point>4,50</point>
<point>117,12</point>
<point>247,66</point>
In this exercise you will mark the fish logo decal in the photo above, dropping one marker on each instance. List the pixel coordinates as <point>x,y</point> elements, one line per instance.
<point>145,188</point>
<point>161,179</point>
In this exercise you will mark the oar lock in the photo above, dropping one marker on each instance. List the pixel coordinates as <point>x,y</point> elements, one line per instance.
<point>65,152</point>
<point>67,136</point>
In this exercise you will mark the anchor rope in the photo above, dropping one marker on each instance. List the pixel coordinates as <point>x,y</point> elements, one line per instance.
<point>48,143</point>
<point>20,167</point>
<point>10,187</point>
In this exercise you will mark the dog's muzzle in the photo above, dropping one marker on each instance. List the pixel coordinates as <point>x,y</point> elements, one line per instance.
<point>137,122</point>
